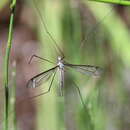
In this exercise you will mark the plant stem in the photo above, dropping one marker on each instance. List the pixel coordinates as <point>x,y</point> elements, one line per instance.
<point>6,67</point>
<point>121,2</point>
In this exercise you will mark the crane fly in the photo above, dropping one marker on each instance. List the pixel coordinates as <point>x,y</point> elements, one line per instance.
<point>61,67</point>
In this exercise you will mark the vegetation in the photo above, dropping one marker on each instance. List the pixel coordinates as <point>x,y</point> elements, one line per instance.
<point>6,72</point>
<point>122,2</point>
<point>87,32</point>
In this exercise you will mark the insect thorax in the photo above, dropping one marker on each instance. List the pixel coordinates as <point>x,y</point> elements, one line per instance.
<point>60,62</point>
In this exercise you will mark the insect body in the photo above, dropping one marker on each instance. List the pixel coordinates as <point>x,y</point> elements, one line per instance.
<point>61,67</point>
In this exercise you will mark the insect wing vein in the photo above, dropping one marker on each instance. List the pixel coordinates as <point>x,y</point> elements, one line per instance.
<point>41,78</point>
<point>86,69</point>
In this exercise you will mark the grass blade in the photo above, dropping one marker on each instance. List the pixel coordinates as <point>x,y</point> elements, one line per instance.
<point>6,67</point>
<point>121,2</point>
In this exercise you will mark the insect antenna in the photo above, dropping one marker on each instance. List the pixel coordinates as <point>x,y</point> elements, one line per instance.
<point>58,49</point>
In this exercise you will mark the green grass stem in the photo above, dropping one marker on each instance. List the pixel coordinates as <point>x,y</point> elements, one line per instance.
<point>121,2</point>
<point>6,67</point>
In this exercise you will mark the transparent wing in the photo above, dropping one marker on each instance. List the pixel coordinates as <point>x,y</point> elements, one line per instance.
<point>40,78</point>
<point>86,69</point>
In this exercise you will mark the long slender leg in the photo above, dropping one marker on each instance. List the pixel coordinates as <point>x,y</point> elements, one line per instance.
<point>76,86</point>
<point>35,56</point>
<point>84,40</point>
<point>58,49</point>
<point>85,108</point>
<point>81,98</point>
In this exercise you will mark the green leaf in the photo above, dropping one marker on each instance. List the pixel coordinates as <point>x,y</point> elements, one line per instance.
<point>121,2</point>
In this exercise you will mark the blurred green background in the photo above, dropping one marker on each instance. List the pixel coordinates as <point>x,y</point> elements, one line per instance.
<point>88,33</point>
